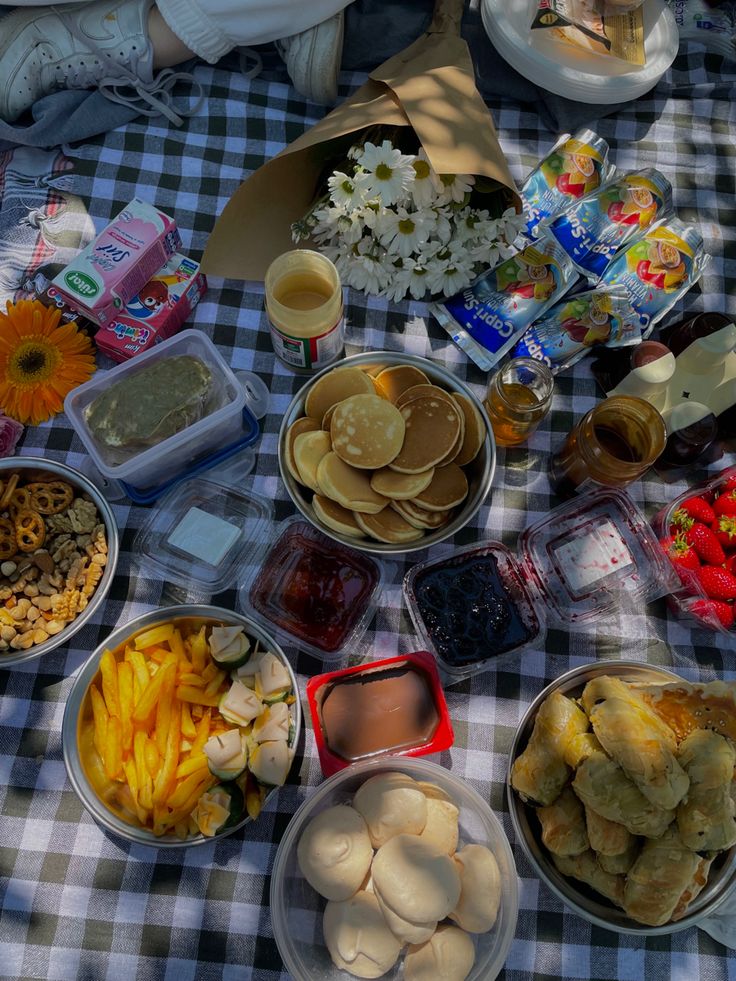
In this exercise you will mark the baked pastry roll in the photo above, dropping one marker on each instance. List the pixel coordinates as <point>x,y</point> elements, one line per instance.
<point>606,837</point>
<point>563,825</point>
<point>638,740</point>
<point>580,747</point>
<point>621,863</point>
<point>705,817</point>
<point>587,869</point>
<point>540,772</point>
<point>665,869</point>
<point>603,786</point>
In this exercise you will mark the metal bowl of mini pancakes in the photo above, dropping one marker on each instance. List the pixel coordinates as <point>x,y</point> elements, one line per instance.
<point>386,452</point>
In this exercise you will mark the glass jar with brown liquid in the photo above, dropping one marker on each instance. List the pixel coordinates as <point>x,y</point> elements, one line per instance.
<point>614,444</point>
<point>305,310</point>
<point>519,397</point>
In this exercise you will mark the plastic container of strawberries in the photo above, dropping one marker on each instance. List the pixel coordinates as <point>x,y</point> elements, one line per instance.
<point>702,521</point>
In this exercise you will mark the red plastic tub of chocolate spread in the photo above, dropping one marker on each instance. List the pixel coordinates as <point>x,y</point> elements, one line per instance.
<point>394,707</point>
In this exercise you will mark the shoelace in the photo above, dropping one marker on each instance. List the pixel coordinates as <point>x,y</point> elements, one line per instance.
<point>151,99</point>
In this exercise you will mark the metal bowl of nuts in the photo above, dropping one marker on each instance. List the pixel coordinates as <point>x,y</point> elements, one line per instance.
<point>58,554</point>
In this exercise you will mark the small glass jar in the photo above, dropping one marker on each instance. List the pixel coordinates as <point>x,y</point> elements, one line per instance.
<point>519,397</point>
<point>614,444</point>
<point>305,310</point>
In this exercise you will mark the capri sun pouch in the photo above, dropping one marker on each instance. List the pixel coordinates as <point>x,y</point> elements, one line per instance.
<point>488,316</point>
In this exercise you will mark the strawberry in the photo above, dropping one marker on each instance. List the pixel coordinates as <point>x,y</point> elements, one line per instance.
<point>680,553</point>
<point>725,505</point>
<point>724,528</point>
<point>697,508</point>
<point>731,564</point>
<point>705,543</point>
<point>729,484</point>
<point>708,608</point>
<point>719,584</point>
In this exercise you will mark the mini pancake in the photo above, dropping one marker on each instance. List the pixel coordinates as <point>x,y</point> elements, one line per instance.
<point>447,489</point>
<point>348,486</point>
<point>309,448</point>
<point>475,430</point>
<point>398,378</point>
<point>388,526</point>
<point>367,431</point>
<point>432,426</point>
<point>419,518</point>
<point>458,444</point>
<point>327,417</point>
<point>335,516</point>
<point>417,391</point>
<point>374,369</point>
<point>334,387</point>
<point>400,486</point>
<point>303,425</point>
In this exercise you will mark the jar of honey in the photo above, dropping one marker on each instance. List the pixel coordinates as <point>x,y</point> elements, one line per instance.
<point>614,444</point>
<point>305,310</point>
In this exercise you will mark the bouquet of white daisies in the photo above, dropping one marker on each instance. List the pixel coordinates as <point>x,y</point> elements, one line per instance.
<point>393,226</point>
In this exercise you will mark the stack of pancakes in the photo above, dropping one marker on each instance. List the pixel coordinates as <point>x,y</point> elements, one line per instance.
<point>383,448</point>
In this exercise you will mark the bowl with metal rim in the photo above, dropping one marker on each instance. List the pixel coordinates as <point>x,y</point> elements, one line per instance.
<point>78,713</point>
<point>575,895</point>
<point>479,472</point>
<point>37,469</point>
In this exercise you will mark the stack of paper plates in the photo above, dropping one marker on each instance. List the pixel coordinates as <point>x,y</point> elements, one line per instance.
<point>575,72</point>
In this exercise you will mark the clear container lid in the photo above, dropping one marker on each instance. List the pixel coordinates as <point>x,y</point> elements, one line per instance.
<point>201,532</point>
<point>311,591</point>
<point>592,556</point>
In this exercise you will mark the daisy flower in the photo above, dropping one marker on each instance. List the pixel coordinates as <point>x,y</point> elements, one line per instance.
<point>455,187</point>
<point>40,361</point>
<point>426,184</point>
<point>345,191</point>
<point>401,232</point>
<point>365,269</point>
<point>450,270</point>
<point>389,171</point>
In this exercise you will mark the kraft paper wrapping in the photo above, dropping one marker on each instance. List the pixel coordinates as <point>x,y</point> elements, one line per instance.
<point>429,86</point>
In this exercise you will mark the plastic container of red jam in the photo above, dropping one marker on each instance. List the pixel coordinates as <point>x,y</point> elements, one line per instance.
<point>311,591</point>
<point>585,560</point>
<point>394,707</point>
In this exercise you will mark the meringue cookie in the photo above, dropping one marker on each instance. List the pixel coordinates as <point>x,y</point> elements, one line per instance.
<point>391,804</point>
<point>480,894</point>
<point>448,955</point>
<point>335,853</point>
<point>357,937</point>
<point>414,880</point>
<point>441,829</point>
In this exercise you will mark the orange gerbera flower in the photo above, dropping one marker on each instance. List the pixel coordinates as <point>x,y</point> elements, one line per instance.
<point>40,362</point>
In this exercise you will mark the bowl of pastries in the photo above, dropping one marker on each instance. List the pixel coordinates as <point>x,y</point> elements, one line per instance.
<point>387,452</point>
<point>620,790</point>
<point>394,868</point>
<point>58,554</point>
<point>181,725</point>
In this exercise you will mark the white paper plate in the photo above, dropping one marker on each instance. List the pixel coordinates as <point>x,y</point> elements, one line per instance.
<point>573,72</point>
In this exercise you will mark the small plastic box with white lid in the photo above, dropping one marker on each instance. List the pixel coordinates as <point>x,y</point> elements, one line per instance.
<point>217,423</point>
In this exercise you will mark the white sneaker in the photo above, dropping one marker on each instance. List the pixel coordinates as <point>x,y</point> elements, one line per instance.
<point>43,49</point>
<point>313,59</point>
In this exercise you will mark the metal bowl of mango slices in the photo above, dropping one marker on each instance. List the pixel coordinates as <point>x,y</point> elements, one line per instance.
<point>387,452</point>
<point>619,787</point>
<point>181,725</point>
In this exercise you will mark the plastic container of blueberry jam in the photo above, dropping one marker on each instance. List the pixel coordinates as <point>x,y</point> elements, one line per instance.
<point>311,591</point>
<point>585,560</point>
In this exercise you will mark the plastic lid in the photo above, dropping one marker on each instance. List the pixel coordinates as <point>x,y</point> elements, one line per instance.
<point>594,555</point>
<point>575,72</point>
<point>200,533</point>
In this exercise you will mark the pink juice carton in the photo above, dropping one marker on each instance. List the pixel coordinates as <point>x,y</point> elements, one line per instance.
<point>156,312</point>
<point>111,270</point>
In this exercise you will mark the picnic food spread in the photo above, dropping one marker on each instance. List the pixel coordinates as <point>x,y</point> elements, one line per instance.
<point>184,727</point>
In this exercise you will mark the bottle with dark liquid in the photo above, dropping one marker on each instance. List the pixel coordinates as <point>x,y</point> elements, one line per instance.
<point>613,445</point>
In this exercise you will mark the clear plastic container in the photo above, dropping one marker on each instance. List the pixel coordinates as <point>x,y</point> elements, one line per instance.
<point>296,909</point>
<point>689,599</point>
<point>400,711</point>
<point>199,535</point>
<point>585,560</point>
<point>311,591</point>
<point>216,422</point>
